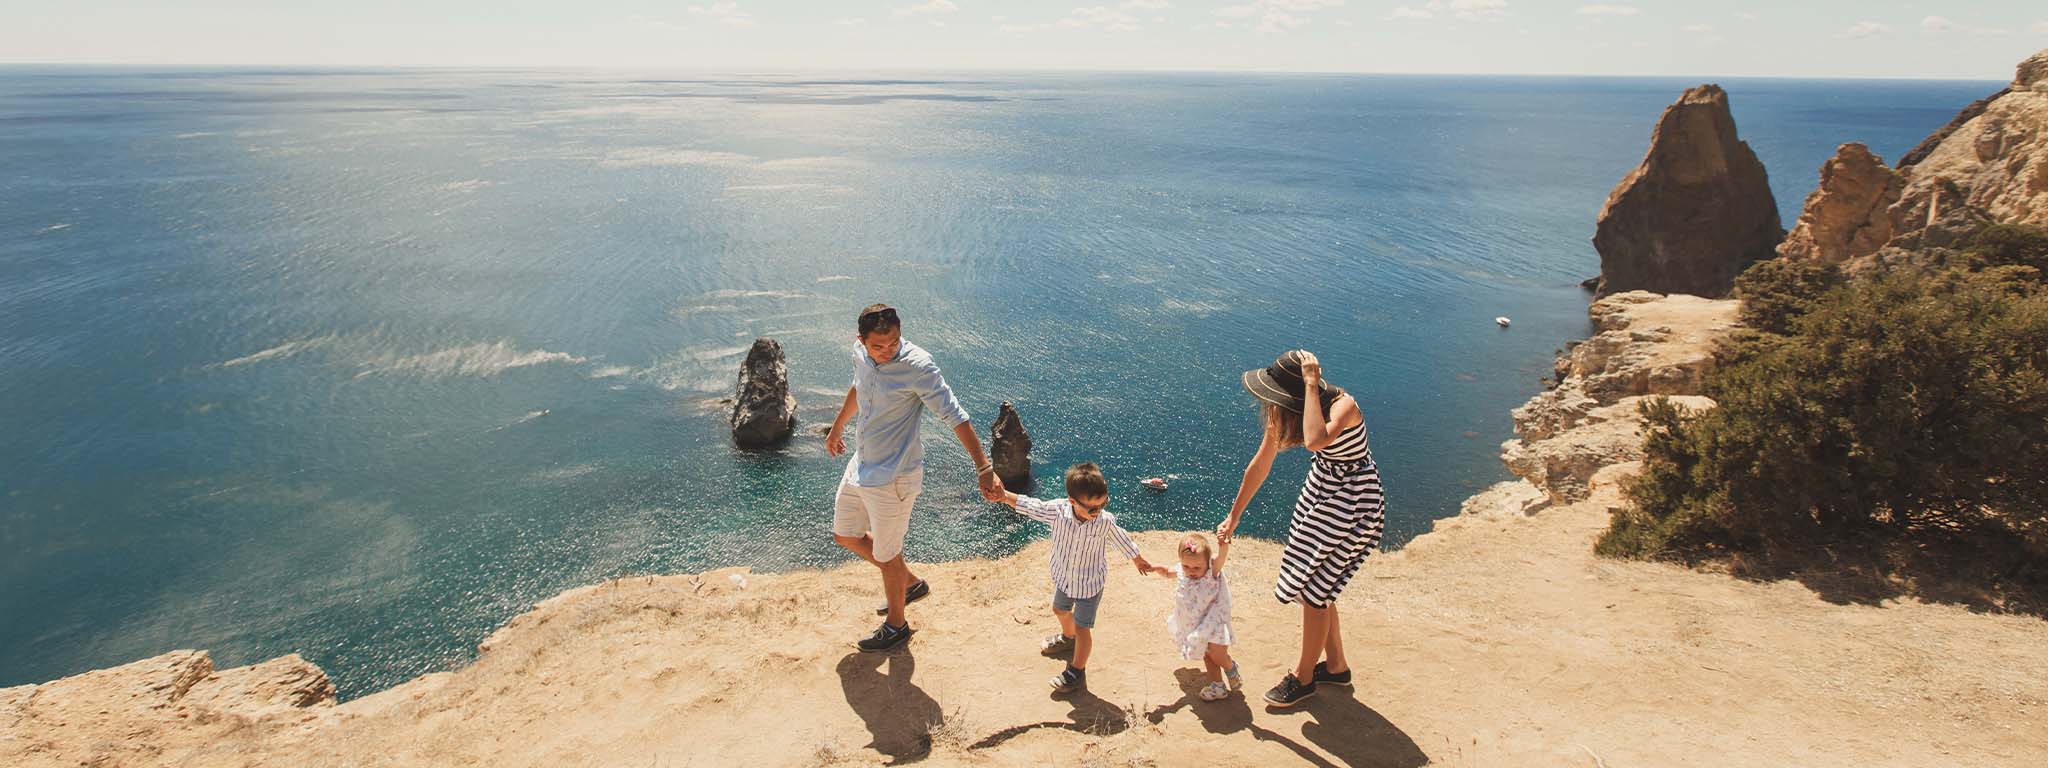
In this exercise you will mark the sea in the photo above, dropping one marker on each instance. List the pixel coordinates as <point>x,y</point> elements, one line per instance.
<point>360,364</point>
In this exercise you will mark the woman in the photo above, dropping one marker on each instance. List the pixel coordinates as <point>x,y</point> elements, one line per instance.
<point>1337,520</point>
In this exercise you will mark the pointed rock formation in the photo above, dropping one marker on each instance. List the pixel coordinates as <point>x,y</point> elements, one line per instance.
<point>763,410</point>
<point>1010,448</point>
<point>1695,212</point>
<point>1849,214</point>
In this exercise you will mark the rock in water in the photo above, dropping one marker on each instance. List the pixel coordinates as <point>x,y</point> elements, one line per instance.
<point>1695,212</point>
<point>1010,448</point>
<point>1848,215</point>
<point>763,411</point>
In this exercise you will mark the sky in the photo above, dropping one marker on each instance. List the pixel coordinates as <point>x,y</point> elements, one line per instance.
<point>1980,39</point>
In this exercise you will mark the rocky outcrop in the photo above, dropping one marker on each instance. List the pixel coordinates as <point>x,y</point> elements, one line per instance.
<point>1695,212</point>
<point>177,699</point>
<point>1988,165</point>
<point>1645,345</point>
<point>1849,214</point>
<point>763,410</point>
<point>1010,448</point>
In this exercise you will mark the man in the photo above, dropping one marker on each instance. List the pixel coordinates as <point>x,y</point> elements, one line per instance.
<point>893,382</point>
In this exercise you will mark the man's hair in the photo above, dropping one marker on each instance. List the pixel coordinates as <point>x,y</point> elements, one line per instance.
<point>1085,480</point>
<point>878,324</point>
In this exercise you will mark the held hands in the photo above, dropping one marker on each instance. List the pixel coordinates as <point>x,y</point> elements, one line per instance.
<point>992,486</point>
<point>1225,529</point>
<point>1145,566</point>
<point>835,442</point>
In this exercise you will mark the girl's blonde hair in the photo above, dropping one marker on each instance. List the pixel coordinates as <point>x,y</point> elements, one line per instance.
<point>1197,543</point>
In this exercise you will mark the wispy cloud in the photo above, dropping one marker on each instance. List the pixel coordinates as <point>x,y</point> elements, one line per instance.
<point>1864,29</point>
<point>1145,5</point>
<point>2039,28</point>
<point>1944,24</point>
<point>1698,29</point>
<point>1276,15</point>
<point>1468,10</point>
<point>1745,16</point>
<point>928,8</point>
<point>853,22</point>
<point>1608,10</point>
<point>729,14</point>
<point>1100,17</point>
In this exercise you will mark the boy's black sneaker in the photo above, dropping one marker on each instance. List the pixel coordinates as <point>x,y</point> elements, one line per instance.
<point>1070,680</point>
<point>1324,676</point>
<point>886,638</point>
<point>1289,692</point>
<point>911,594</point>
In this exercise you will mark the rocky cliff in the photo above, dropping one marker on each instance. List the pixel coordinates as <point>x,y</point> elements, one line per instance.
<point>1695,212</point>
<point>1645,345</point>
<point>1989,164</point>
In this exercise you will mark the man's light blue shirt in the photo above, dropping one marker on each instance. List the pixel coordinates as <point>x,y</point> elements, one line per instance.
<point>891,397</point>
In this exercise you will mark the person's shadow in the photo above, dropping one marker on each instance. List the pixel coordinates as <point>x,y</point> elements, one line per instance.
<point>1090,714</point>
<point>898,714</point>
<point>1343,726</point>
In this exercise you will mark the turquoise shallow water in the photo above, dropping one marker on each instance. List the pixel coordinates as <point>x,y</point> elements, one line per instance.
<point>360,364</point>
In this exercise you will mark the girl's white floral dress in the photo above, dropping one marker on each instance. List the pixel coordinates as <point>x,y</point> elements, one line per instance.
<point>1201,612</point>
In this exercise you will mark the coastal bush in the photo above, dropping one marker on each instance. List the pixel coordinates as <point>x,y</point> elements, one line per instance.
<point>1909,406</point>
<point>2011,245</point>
<point>1775,291</point>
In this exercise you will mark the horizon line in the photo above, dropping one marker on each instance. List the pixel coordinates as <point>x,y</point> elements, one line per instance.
<point>917,68</point>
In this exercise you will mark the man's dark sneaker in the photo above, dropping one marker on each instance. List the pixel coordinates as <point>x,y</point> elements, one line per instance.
<point>1325,677</point>
<point>886,638</point>
<point>1289,693</point>
<point>1070,680</point>
<point>914,593</point>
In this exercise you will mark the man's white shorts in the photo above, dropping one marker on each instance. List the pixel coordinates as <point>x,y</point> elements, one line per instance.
<point>883,512</point>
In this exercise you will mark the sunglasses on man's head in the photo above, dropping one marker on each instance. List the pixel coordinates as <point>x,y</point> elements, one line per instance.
<point>872,320</point>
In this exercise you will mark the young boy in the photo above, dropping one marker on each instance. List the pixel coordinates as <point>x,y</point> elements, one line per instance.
<point>1081,534</point>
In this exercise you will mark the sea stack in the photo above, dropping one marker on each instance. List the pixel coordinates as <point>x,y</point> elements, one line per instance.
<point>1010,448</point>
<point>1695,212</point>
<point>763,410</point>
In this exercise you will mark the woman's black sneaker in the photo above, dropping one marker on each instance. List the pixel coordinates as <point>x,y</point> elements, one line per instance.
<point>1070,680</point>
<point>911,594</point>
<point>886,638</point>
<point>1325,677</point>
<point>1289,693</point>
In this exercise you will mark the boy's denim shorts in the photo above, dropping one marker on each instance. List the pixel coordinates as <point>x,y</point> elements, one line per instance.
<point>1083,609</point>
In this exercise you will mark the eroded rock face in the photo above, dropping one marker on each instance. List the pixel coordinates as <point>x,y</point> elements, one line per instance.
<point>763,410</point>
<point>1010,447</point>
<point>1695,212</point>
<point>151,711</point>
<point>1645,345</point>
<point>1849,214</point>
<point>1988,165</point>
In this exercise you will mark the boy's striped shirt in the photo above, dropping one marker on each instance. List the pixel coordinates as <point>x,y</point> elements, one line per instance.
<point>1079,561</point>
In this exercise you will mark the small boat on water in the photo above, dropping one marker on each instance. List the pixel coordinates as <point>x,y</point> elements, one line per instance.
<point>1154,483</point>
<point>1502,321</point>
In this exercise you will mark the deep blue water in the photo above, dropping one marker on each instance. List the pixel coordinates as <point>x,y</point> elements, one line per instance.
<point>274,345</point>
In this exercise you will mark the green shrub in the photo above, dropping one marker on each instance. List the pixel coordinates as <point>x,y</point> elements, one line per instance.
<point>2011,245</point>
<point>1908,403</point>
<point>1775,291</point>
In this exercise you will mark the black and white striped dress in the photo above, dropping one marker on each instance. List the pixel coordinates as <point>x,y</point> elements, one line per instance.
<point>1337,522</point>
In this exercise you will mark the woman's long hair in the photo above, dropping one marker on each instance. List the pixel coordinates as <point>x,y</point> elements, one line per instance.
<point>1287,424</point>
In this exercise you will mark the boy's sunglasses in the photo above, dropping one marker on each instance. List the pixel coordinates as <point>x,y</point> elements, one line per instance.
<point>876,319</point>
<point>1097,509</point>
